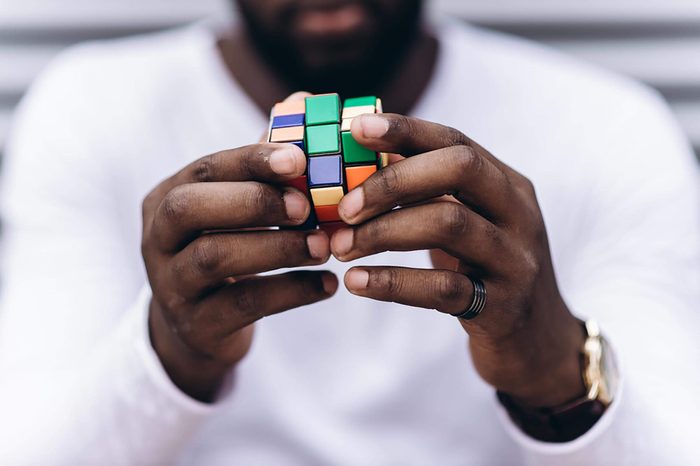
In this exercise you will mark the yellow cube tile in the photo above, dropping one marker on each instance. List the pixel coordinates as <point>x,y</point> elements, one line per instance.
<point>293,134</point>
<point>383,160</point>
<point>352,112</point>
<point>347,124</point>
<point>289,108</point>
<point>327,196</point>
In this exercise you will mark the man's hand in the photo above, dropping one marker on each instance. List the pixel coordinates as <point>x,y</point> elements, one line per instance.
<point>202,252</point>
<point>526,342</point>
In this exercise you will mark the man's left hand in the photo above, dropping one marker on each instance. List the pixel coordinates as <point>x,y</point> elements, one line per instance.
<point>481,219</point>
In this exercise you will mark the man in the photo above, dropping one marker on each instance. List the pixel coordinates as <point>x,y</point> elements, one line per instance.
<point>105,362</point>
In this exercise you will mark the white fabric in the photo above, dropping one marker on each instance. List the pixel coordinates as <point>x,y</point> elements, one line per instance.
<point>347,381</point>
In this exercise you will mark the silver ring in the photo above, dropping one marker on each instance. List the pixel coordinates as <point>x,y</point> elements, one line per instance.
<point>478,303</point>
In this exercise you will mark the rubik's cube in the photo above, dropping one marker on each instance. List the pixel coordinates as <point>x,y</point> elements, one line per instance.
<point>336,163</point>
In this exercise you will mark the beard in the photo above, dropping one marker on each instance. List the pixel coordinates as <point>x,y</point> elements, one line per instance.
<point>357,64</point>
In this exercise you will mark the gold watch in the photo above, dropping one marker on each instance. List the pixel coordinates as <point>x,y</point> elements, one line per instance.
<point>600,373</point>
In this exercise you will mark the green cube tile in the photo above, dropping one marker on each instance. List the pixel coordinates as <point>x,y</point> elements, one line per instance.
<point>354,152</point>
<point>361,101</point>
<point>324,139</point>
<point>322,109</point>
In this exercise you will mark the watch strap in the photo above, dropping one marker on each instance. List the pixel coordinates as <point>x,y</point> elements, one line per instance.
<point>561,424</point>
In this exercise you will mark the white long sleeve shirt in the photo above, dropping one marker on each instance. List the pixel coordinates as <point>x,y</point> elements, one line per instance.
<point>347,381</point>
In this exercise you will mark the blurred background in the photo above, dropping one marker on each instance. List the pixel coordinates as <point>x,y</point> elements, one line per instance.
<point>655,41</point>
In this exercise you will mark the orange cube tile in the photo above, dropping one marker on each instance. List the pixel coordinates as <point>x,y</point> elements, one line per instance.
<point>327,213</point>
<point>355,176</point>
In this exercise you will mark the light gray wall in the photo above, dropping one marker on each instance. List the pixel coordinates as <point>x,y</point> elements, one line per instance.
<point>657,41</point>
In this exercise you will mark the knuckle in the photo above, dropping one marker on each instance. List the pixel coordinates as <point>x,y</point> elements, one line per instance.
<point>176,203</point>
<point>389,181</point>
<point>450,290</point>
<point>205,168</point>
<point>526,267</point>
<point>205,257</point>
<point>247,302</point>
<point>372,234</point>
<point>257,196</point>
<point>401,124</point>
<point>172,302</point>
<point>531,266</point>
<point>454,137</point>
<point>455,219</point>
<point>492,233</point>
<point>467,160</point>
<point>249,158</point>
<point>523,187</point>
<point>388,280</point>
<point>528,186</point>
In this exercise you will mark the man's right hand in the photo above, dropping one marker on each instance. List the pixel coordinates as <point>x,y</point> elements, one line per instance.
<point>203,243</point>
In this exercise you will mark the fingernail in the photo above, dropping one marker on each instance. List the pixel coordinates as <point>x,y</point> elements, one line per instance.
<point>318,245</point>
<point>296,205</point>
<point>284,161</point>
<point>352,203</point>
<point>373,126</point>
<point>330,283</point>
<point>341,244</point>
<point>356,279</point>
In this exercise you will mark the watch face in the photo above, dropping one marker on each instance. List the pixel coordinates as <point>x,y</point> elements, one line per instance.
<point>609,373</point>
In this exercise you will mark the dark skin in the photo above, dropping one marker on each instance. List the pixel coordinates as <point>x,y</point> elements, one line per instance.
<point>478,216</point>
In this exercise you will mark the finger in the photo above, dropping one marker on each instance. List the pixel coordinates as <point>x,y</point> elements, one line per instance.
<point>443,290</point>
<point>207,261</point>
<point>190,209</point>
<point>388,132</point>
<point>445,225</point>
<point>457,170</point>
<point>273,163</point>
<point>242,303</point>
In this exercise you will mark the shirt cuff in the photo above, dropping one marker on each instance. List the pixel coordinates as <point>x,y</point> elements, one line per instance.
<point>156,372</point>
<point>565,448</point>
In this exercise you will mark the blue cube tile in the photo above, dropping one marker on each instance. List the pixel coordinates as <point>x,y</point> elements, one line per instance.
<point>324,171</point>
<point>287,121</point>
<point>300,145</point>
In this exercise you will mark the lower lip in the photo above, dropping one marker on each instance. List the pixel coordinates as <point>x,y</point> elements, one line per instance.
<point>332,22</point>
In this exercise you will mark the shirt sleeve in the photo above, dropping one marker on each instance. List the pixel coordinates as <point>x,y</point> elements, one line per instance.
<point>80,381</point>
<point>636,271</point>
